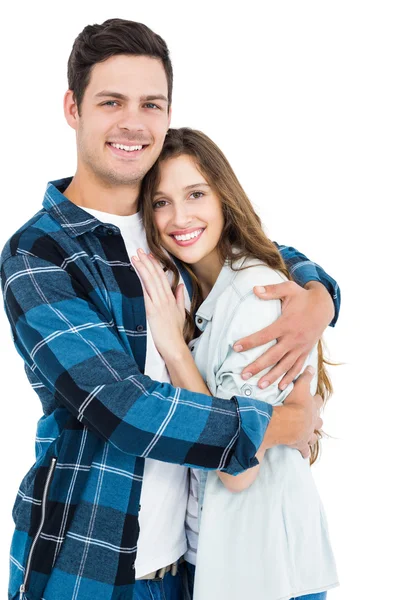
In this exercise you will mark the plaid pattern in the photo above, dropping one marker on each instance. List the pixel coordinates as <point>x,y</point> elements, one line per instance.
<point>77,317</point>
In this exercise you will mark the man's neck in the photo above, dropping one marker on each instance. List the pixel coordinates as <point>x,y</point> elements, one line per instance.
<point>88,192</point>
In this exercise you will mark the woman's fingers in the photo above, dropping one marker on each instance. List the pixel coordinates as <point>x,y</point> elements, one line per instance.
<point>147,275</point>
<point>162,274</point>
<point>180,299</point>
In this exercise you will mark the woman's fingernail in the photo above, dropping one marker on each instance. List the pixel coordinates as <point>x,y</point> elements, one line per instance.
<point>247,375</point>
<point>283,386</point>
<point>135,258</point>
<point>141,250</point>
<point>310,370</point>
<point>260,289</point>
<point>264,384</point>
<point>238,347</point>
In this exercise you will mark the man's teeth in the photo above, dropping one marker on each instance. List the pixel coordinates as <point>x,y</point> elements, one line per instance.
<point>126,148</point>
<point>188,236</point>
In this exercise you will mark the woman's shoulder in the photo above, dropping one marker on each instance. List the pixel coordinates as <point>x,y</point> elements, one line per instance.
<point>251,272</point>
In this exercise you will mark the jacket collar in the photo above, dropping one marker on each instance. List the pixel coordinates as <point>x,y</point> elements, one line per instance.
<point>225,278</point>
<point>74,220</point>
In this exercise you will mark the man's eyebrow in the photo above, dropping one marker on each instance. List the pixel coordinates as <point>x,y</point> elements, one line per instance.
<point>110,94</point>
<point>151,97</point>
<point>119,96</point>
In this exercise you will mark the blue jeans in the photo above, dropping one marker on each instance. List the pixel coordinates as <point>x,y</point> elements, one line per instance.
<point>320,596</point>
<point>168,588</point>
<point>190,571</point>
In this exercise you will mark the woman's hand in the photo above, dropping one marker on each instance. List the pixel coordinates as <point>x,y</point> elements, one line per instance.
<point>165,312</point>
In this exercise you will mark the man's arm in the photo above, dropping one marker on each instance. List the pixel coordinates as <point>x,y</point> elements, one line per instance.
<point>309,305</point>
<point>75,351</point>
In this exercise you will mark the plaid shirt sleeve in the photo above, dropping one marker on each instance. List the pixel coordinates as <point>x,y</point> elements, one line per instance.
<point>77,354</point>
<point>304,270</point>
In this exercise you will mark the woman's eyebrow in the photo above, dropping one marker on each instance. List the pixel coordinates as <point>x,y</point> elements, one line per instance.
<point>187,188</point>
<point>194,185</point>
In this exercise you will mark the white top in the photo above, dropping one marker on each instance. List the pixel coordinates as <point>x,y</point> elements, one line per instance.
<point>269,542</point>
<point>163,500</point>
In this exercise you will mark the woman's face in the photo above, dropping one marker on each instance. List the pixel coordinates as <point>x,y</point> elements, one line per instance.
<point>187,212</point>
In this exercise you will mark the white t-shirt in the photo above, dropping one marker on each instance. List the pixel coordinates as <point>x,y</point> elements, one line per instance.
<point>163,500</point>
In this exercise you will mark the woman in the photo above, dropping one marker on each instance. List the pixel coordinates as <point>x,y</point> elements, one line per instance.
<point>270,541</point>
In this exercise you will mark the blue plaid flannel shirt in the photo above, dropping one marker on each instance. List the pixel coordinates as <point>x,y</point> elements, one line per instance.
<point>77,316</point>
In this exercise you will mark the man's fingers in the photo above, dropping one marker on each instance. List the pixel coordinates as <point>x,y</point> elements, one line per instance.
<point>305,451</point>
<point>254,340</point>
<point>275,291</point>
<point>313,439</point>
<point>318,400</point>
<point>279,369</point>
<point>305,378</point>
<point>292,373</point>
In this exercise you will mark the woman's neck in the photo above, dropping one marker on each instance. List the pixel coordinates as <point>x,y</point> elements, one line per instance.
<point>207,271</point>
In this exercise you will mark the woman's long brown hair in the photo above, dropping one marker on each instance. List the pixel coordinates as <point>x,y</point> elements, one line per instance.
<point>242,230</point>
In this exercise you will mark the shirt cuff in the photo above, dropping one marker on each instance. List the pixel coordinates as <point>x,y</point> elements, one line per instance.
<point>254,417</point>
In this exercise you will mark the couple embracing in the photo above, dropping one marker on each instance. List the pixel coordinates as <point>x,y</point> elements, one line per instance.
<point>174,451</point>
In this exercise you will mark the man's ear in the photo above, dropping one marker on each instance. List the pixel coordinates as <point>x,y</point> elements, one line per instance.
<point>71,109</point>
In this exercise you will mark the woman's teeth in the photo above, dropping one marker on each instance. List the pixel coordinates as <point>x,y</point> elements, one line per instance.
<point>188,236</point>
<point>126,148</point>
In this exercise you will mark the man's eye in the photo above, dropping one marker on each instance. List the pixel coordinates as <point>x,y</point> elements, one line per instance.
<point>197,195</point>
<point>159,204</point>
<point>110,103</point>
<point>151,105</point>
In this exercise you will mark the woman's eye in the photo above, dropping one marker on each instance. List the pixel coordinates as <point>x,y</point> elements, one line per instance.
<point>197,195</point>
<point>159,204</point>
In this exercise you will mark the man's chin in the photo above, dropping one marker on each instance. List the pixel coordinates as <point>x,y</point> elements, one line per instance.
<point>118,178</point>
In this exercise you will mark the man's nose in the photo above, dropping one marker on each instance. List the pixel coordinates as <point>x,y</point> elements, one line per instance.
<point>131,120</point>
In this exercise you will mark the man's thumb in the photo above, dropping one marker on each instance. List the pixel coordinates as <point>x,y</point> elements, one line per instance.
<point>306,375</point>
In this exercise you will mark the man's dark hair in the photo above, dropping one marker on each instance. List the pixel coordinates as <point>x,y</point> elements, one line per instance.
<point>97,43</point>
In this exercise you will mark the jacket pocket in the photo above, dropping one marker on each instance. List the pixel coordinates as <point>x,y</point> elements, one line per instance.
<point>24,586</point>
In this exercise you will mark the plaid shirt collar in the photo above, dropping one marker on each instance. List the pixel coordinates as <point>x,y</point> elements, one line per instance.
<point>74,220</point>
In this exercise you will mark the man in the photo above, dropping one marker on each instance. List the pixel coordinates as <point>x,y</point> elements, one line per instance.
<point>113,440</point>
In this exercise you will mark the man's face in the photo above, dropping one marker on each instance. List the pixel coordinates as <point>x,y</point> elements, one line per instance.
<point>123,119</point>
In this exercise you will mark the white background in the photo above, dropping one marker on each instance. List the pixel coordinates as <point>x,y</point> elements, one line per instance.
<point>303,97</point>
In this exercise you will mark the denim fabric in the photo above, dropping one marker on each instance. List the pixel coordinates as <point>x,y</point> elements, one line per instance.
<point>320,596</point>
<point>168,588</point>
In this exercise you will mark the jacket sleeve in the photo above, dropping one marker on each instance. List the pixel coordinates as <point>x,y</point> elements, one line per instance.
<point>304,270</point>
<point>78,355</point>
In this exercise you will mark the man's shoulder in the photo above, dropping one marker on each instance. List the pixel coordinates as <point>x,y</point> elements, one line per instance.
<point>32,235</point>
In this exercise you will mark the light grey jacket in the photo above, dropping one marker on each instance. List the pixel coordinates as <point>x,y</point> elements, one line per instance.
<point>269,542</point>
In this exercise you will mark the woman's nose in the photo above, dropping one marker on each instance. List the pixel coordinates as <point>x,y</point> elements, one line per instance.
<point>182,218</point>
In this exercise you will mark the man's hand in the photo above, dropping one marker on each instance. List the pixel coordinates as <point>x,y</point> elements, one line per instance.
<point>306,312</point>
<point>294,424</point>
